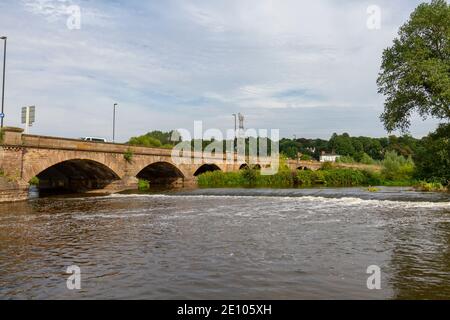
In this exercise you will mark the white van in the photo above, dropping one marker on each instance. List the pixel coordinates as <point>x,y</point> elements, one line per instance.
<point>94,139</point>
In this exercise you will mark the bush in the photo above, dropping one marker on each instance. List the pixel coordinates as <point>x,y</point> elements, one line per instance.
<point>433,157</point>
<point>326,166</point>
<point>34,181</point>
<point>430,186</point>
<point>143,185</point>
<point>306,157</point>
<point>245,178</point>
<point>145,141</point>
<point>396,167</point>
<point>249,176</point>
<point>128,155</point>
<point>339,177</point>
<point>219,179</point>
<point>282,179</point>
<point>304,178</point>
<point>373,178</point>
<point>344,177</point>
<point>366,159</point>
<point>345,159</point>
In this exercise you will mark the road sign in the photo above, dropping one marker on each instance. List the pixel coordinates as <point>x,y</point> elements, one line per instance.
<point>24,114</point>
<point>29,113</point>
<point>32,114</point>
<point>28,116</point>
<point>2,115</point>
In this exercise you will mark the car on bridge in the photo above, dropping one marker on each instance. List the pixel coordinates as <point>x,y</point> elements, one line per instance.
<point>94,139</point>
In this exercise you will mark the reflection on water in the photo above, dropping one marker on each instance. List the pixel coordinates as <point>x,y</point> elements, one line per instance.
<point>207,244</point>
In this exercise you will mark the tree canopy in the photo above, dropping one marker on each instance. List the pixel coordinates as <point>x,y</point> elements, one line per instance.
<point>415,70</point>
<point>156,139</point>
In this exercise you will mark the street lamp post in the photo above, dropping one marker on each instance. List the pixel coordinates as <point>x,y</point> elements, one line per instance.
<point>235,128</point>
<point>235,134</point>
<point>3,85</point>
<point>114,122</point>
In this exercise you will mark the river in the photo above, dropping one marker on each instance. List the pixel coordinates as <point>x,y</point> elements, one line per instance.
<point>228,244</point>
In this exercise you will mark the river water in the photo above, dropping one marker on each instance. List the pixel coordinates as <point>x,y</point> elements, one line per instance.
<point>228,244</point>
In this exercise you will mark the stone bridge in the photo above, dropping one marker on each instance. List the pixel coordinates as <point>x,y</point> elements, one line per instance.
<point>81,166</point>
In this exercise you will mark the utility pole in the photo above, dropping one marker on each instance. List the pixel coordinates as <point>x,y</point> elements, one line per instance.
<point>114,122</point>
<point>241,123</point>
<point>235,124</point>
<point>2,115</point>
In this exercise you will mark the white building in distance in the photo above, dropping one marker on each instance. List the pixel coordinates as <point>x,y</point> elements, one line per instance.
<point>329,157</point>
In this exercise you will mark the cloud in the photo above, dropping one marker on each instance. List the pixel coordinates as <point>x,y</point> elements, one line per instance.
<point>172,62</point>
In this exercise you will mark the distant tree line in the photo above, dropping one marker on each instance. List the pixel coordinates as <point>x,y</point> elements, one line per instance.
<point>353,149</point>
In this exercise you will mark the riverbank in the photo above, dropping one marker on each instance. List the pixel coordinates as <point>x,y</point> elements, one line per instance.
<point>334,177</point>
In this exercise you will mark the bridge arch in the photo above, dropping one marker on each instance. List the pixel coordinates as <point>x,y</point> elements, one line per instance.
<point>76,175</point>
<point>246,166</point>
<point>161,173</point>
<point>37,160</point>
<point>207,167</point>
<point>243,166</point>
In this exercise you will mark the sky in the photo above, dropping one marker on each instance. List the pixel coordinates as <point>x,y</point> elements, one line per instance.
<point>307,68</point>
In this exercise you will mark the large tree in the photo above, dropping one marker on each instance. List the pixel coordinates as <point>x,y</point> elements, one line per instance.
<point>433,156</point>
<point>415,71</point>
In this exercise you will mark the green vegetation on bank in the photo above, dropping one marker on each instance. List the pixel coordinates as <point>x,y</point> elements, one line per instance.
<point>336,177</point>
<point>396,171</point>
<point>143,185</point>
<point>248,178</point>
<point>34,181</point>
<point>404,161</point>
<point>430,186</point>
